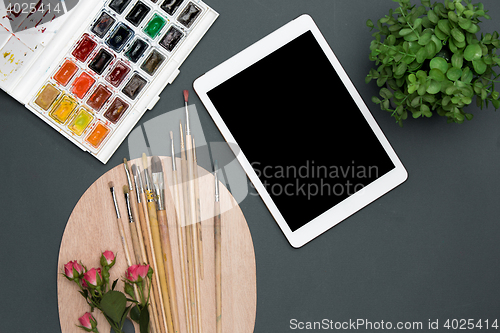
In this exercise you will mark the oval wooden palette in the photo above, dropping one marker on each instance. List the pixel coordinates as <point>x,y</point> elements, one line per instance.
<point>92,229</point>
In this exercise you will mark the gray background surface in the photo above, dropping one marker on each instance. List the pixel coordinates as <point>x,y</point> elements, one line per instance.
<point>426,250</point>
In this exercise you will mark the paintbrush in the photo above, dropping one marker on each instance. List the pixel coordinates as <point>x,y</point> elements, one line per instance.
<point>192,191</point>
<point>146,234</point>
<point>218,254</point>
<point>159,186</point>
<point>120,224</point>
<point>189,237</point>
<point>180,236</point>
<point>134,232</point>
<point>192,205</point>
<point>156,242</point>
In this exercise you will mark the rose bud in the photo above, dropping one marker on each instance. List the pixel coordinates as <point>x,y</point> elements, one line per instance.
<point>137,273</point>
<point>108,259</point>
<point>131,274</point>
<point>93,277</point>
<point>129,290</point>
<point>88,322</point>
<point>73,270</point>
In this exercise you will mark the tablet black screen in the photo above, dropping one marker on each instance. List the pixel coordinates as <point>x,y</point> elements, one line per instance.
<point>300,129</point>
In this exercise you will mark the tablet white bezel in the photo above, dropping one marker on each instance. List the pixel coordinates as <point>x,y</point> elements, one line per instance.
<point>253,54</point>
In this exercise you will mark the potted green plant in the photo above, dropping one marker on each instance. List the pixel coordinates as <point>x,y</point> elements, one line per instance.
<point>430,60</point>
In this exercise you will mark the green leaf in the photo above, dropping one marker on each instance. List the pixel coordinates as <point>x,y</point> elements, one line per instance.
<point>400,70</point>
<point>411,37</point>
<point>454,73</point>
<point>430,50</point>
<point>473,52</point>
<point>421,55</point>
<point>452,16</point>
<point>412,78</point>
<point>417,114</point>
<point>474,28</point>
<point>406,31</point>
<point>424,108</point>
<point>457,60</point>
<point>464,23</point>
<point>496,103</point>
<point>479,66</point>
<point>417,23</point>
<point>436,74</point>
<point>469,116</point>
<point>439,34</point>
<point>458,35</point>
<point>113,304</point>
<point>466,100</point>
<point>424,39</point>
<point>386,93</point>
<point>444,26</point>
<point>438,43</point>
<point>432,17</point>
<point>467,75</point>
<point>434,87</point>
<point>421,90</point>
<point>416,101</point>
<point>144,321</point>
<point>439,63</point>
<point>135,314</point>
<point>369,23</point>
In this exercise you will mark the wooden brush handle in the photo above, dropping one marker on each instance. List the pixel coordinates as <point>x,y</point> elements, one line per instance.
<point>169,268</point>
<point>218,268</point>
<point>160,267</point>
<point>146,234</point>
<point>135,243</point>
<point>124,242</point>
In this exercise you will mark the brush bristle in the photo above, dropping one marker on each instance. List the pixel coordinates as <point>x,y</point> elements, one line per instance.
<point>186,95</point>
<point>125,189</point>
<point>111,184</point>
<point>125,160</point>
<point>156,164</point>
<point>171,135</point>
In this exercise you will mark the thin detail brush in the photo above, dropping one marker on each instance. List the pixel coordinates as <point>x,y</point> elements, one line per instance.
<point>180,236</point>
<point>218,253</point>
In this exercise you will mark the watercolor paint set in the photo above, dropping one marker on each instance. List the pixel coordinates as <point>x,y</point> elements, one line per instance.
<point>92,71</point>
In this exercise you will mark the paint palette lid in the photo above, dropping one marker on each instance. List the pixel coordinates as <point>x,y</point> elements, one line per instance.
<point>25,30</point>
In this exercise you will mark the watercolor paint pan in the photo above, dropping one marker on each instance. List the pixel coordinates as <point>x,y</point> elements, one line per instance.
<point>93,72</point>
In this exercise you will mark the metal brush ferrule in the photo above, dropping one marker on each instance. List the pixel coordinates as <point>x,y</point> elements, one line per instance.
<point>216,180</point>
<point>114,201</point>
<point>159,189</point>
<point>188,128</point>
<point>129,210</point>
<point>147,180</point>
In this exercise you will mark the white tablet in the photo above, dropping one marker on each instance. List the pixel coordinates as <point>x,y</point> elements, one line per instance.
<point>300,130</point>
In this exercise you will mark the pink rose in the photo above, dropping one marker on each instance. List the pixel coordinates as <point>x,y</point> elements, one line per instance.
<point>131,273</point>
<point>142,270</point>
<point>108,259</point>
<point>85,320</point>
<point>137,273</point>
<point>88,322</point>
<point>93,277</point>
<point>73,270</point>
